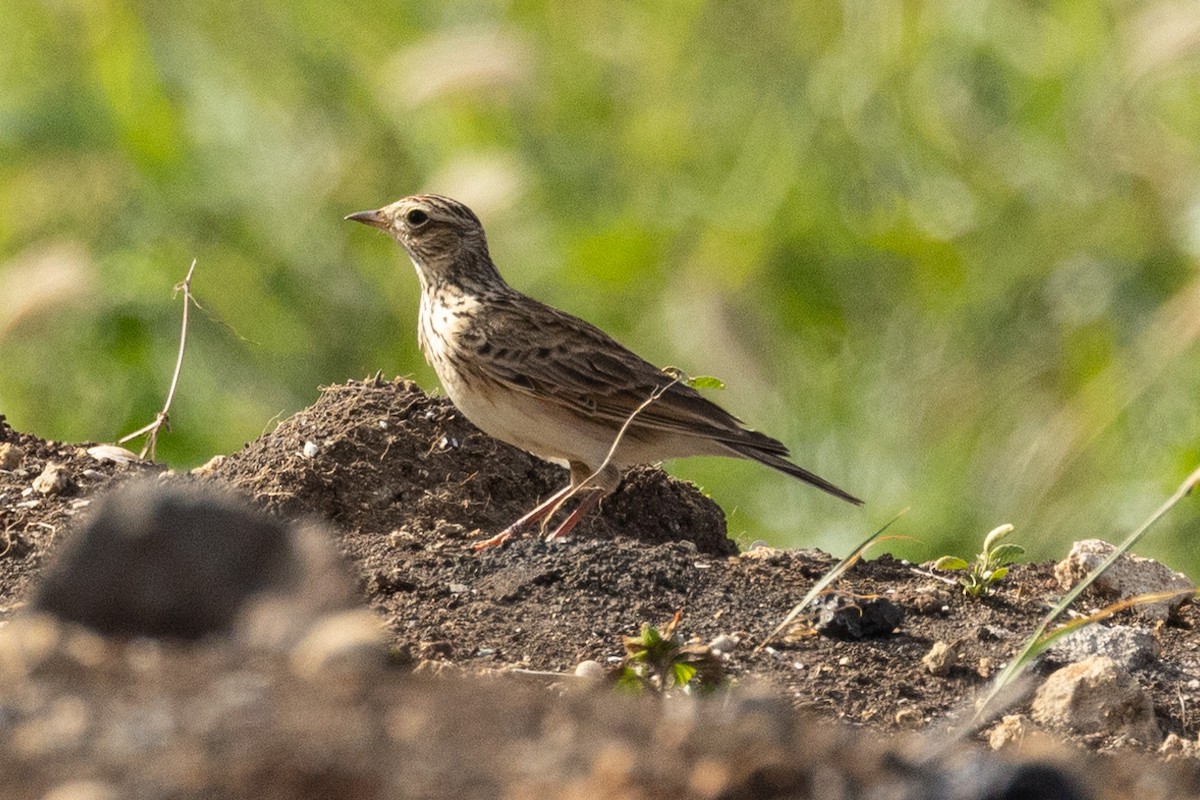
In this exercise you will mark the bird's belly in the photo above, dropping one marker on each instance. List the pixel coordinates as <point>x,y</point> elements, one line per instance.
<point>550,431</point>
<point>532,425</point>
<point>538,426</point>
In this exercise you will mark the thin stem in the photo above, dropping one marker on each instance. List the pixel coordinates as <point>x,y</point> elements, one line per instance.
<point>186,288</point>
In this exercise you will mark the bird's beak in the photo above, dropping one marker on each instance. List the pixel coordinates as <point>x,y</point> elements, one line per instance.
<point>375,218</point>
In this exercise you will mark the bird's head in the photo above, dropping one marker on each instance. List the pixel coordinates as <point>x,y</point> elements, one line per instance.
<point>442,236</point>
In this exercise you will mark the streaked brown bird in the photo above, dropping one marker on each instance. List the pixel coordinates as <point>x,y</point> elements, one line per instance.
<point>546,381</point>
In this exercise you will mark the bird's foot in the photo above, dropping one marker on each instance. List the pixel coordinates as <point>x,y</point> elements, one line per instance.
<point>495,541</point>
<point>542,512</point>
<point>545,509</point>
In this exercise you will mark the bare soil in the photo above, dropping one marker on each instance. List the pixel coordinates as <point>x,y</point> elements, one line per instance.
<point>406,485</point>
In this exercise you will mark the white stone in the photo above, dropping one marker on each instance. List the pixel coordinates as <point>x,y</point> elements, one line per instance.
<point>1129,576</point>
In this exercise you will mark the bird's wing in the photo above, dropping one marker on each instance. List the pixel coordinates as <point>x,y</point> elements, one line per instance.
<point>547,353</point>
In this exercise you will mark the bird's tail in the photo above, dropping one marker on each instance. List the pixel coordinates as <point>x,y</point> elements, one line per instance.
<point>783,465</point>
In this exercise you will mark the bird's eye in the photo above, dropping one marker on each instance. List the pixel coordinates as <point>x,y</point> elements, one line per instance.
<point>416,218</point>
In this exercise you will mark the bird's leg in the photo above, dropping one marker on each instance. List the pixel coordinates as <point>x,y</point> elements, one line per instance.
<point>543,510</point>
<point>597,484</point>
<point>594,496</point>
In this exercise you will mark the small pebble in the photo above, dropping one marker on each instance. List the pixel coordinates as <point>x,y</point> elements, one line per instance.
<point>55,479</point>
<point>724,644</point>
<point>10,455</point>
<point>993,633</point>
<point>82,790</point>
<point>343,639</point>
<point>1175,746</point>
<point>591,670</point>
<point>941,658</point>
<point>310,449</point>
<point>1010,730</point>
<point>210,466</point>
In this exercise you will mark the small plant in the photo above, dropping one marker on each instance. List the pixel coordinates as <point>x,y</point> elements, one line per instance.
<point>999,696</point>
<point>659,660</point>
<point>989,567</point>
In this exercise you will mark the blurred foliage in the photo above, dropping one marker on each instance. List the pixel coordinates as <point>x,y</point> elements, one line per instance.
<point>947,251</point>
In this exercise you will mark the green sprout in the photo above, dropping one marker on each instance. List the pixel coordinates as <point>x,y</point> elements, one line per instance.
<point>989,567</point>
<point>661,661</point>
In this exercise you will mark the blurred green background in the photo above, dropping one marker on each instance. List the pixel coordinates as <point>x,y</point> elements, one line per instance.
<point>947,251</point>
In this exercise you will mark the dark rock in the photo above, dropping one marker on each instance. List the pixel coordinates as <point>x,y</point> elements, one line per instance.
<point>165,561</point>
<point>842,616</point>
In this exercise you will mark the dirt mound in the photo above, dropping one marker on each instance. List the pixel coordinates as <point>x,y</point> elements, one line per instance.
<point>410,484</point>
<point>405,485</point>
<point>379,457</point>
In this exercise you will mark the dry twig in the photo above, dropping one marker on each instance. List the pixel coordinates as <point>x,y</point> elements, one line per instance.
<point>163,419</point>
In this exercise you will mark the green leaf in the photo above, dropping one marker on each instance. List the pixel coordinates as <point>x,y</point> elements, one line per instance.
<point>650,636</point>
<point>629,681</point>
<point>705,382</point>
<point>1006,554</point>
<point>995,535</point>
<point>997,574</point>
<point>683,673</point>
<point>949,563</point>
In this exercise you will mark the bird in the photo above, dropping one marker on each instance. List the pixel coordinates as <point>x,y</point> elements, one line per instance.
<point>549,382</point>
